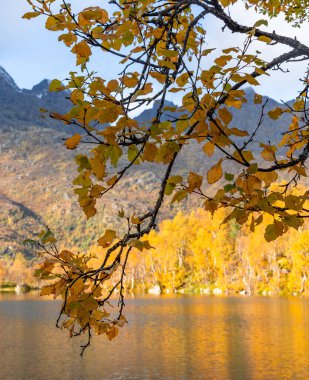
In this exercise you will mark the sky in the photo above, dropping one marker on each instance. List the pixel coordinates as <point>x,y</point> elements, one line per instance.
<point>29,53</point>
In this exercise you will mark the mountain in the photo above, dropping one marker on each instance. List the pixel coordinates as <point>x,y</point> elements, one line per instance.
<point>36,170</point>
<point>19,221</point>
<point>20,108</point>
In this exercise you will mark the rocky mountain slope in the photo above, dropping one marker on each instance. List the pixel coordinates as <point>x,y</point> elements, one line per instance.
<point>36,170</point>
<point>20,108</point>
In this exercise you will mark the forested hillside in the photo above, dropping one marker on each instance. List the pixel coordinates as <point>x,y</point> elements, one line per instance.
<point>36,170</point>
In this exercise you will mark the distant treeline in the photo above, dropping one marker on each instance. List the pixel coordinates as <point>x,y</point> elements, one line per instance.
<point>196,253</point>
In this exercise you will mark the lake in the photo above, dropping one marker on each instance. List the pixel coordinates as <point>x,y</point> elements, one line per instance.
<point>184,337</point>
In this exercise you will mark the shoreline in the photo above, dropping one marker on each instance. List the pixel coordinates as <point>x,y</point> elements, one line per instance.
<point>25,289</point>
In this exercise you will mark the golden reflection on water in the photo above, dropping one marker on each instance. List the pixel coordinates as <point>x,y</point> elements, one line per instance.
<point>167,338</point>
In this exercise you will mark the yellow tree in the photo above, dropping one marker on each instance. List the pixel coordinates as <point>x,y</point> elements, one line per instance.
<point>160,47</point>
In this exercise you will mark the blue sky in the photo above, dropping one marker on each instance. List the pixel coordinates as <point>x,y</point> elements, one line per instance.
<point>29,53</point>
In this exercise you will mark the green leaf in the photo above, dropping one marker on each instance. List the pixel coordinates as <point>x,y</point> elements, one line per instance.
<point>132,153</point>
<point>55,85</point>
<point>260,23</point>
<point>229,177</point>
<point>179,196</point>
<point>229,187</point>
<point>114,152</point>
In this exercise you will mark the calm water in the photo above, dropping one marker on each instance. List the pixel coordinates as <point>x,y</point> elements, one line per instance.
<point>167,338</point>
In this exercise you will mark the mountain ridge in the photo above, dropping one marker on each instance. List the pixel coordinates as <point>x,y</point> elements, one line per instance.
<point>21,107</point>
<point>37,170</point>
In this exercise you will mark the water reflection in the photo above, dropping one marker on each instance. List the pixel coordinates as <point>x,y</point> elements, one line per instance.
<point>167,338</point>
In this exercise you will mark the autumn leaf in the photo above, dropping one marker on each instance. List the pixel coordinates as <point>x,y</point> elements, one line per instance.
<point>140,244</point>
<point>258,99</point>
<point>55,85</point>
<point>47,290</point>
<point>225,115</point>
<point>265,39</point>
<point>275,113</point>
<point>179,196</point>
<point>121,321</point>
<point>223,60</point>
<point>150,152</point>
<point>215,173</point>
<point>82,49</point>
<point>31,15</point>
<point>194,182</point>
<point>158,76</point>
<point>112,333</point>
<point>209,148</point>
<point>72,142</point>
<point>107,239</point>
<point>211,205</point>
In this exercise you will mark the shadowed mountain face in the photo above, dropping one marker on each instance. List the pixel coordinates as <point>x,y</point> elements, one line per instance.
<point>36,170</point>
<point>16,223</point>
<point>20,108</point>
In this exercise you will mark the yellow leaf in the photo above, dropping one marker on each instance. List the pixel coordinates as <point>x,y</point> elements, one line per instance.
<point>168,64</point>
<point>252,183</point>
<point>55,85</point>
<point>112,333</point>
<point>107,239</point>
<point>130,81</point>
<point>238,132</point>
<point>98,314</point>
<point>30,15</point>
<point>158,33</point>
<point>82,49</point>
<point>182,80</point>
<point>89,209</point>
<point>258,99</point>
<point>194,181</point>
<point>97,166</point>
<point>140,245</point>
<point>261,72</point>
<point>233,103</point>
<point>208,149</point>
<point>215,173</point>
<point>68,323</point>
<point>267,177</point>
<point>135,219</point>
<point>137,49</point>
<point>265,39</point>
<point>112,180</point>
<point>268,155</point>
<point>51,23</point>
<point>96,191</point>
<point>251,80</point>
<point>300,170</point>
<point>47,290</point>
<point>179,196</point>
<point>158,76</point>
<point>223,60</point>
<point>113,85</point>
<point>226,3</point>
<point>211,206</point>
<point>176,90</point>
<point>225,115</point>
<point>72,142</point>
<point>77,287</point>
<point>150,152</point>
<point>275,113</point>
<point>121,321</point>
